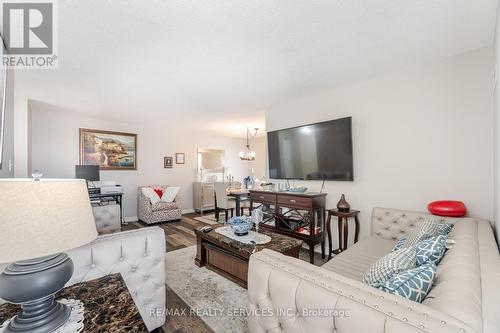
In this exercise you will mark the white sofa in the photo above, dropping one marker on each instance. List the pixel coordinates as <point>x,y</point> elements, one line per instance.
<point>284,291</point>
<point>139,256</point>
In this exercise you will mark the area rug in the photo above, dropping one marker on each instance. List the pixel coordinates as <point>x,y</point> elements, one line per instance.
<point>210,219</point>
<point>220,303</point>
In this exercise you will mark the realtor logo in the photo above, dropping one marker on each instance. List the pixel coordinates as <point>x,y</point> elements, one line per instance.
<point>28,28</point>
<point>28,33</point>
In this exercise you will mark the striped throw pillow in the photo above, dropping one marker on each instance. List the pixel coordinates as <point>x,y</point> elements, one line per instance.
<point>390,265</point>
<point>424,230</point>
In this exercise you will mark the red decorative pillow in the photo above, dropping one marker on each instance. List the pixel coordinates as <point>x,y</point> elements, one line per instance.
<point>447,208</point>
<point>159,191</point>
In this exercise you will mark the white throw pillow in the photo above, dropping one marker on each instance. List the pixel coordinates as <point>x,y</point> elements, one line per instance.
<point>170,193</point>
<point>151,195</point>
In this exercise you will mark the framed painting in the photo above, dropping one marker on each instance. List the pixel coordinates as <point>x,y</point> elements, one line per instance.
<point>110,150</point>
<point>180,158</point>
<point>168,162</point>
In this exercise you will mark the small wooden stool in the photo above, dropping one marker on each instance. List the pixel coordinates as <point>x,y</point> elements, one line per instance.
<point>343,225</point>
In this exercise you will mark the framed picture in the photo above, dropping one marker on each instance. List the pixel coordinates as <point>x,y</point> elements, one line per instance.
<point>168,162</point>
<point>180,158</point>
<point>110,150</point>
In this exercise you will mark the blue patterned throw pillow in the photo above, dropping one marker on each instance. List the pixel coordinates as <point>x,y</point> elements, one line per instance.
<point>390,265</point>
<point>444,228</point>
<point>413,284</point>
<point>431,250</point>
<point>399,244</point>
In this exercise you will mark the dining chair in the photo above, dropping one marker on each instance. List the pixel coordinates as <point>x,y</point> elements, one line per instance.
<point>227,202</point>
<point>223,201</point>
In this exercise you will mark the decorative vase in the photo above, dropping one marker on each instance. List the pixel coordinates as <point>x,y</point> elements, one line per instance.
<point>343,205</point>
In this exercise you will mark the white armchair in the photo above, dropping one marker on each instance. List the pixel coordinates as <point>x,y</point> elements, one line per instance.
<point>159,212</point>
<point>139,256</point>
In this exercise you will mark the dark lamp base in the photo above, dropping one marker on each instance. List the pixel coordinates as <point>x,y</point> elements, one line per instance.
<point>33,284</point>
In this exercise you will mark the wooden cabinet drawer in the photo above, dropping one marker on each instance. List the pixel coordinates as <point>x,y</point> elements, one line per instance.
<point>263,198</point>
<point>294,201</point>
<point>227,264</point>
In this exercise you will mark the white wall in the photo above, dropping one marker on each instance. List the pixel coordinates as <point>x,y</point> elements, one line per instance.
<point>497,127</point>
<point>7,170</point>
<point>54,146</point>
<point>259,165</point>
<point>420,134</point>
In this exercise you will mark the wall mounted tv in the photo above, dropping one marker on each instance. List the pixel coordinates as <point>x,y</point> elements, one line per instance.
<point>312,152</point>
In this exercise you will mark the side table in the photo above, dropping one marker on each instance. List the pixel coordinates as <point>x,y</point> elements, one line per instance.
<point>108,306</point>
<point>343,227</point>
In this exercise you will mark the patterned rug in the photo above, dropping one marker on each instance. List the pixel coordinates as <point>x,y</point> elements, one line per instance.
<point>208,294</point>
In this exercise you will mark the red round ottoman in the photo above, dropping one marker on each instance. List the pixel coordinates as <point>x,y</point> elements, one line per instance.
<point>448,208</point>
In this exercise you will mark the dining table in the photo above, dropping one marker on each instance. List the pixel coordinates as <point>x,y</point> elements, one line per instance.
<point>239,195</point>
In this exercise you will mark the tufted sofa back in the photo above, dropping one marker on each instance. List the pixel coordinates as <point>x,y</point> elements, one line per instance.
<point>393,224</point>
<point>139,256</point>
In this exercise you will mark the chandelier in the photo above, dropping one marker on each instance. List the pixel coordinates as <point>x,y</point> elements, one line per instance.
<point>248,154</point>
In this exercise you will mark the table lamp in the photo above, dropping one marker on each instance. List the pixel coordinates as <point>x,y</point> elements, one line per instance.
<point>39,220</point>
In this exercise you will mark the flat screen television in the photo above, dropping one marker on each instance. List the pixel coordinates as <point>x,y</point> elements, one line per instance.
<point>312,152</point>
<point>88,172</point>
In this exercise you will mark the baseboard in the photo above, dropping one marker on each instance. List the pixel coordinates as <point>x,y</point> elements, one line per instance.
<point>130,219</point>
<point>187,211</point>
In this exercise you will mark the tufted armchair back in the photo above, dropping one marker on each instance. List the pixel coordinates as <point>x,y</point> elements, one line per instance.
<point>139,256</point>
<point>393,224</point>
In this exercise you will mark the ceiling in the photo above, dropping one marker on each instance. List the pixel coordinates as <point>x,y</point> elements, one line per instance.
<point>220,65</point>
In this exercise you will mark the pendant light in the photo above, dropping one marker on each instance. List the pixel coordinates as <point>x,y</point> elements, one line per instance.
<point>248,154</point>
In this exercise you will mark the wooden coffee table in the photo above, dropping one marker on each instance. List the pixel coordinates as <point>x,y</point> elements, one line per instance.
<point>229,257</point>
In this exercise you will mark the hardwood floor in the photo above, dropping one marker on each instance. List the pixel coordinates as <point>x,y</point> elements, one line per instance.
<point>180,234</point>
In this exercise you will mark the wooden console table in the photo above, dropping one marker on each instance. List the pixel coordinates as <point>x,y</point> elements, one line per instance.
<point>298,215</point>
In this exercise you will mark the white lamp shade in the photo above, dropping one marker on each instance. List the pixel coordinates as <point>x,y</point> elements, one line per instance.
<point>40,218</point>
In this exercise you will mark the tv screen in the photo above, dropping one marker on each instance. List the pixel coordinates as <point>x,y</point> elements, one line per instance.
<point>87,172</point>
<point>313,152</point>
